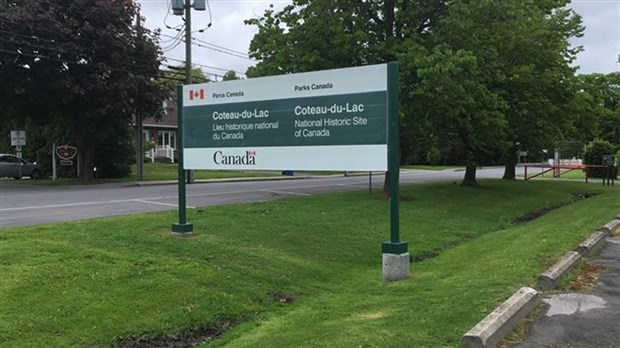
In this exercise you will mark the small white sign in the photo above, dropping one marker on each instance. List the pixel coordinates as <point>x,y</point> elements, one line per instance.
<point>18,138</point>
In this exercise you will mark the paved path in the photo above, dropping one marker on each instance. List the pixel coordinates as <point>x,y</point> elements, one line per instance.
<point>22,205</point>
<point>589,319</point>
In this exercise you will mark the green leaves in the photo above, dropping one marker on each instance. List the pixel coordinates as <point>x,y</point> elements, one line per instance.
<point>82,64</point>
<point>476,76</point>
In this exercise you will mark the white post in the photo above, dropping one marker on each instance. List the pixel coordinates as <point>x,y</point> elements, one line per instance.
<point>54,161</point>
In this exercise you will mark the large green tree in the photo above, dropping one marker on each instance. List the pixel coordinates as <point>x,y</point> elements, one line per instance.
<point>326,34</point>
<point>477,77</point>
<point>450,97</point>
<point>523,49</point>
<point>79,64</point>
<point>596,108</point>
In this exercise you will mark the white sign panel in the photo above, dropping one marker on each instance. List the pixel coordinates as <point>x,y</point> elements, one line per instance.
<point>324,120</point>
<point>18,138</point>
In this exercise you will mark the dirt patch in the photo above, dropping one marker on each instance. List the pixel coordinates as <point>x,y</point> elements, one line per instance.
<point>372,315</point>
<point>182,340</point>
<point>434,253</point>
<point>520,332</point>
<point>423,256</point>
<point>586,277</point>
<point>540,212</point>
<point>535,214</point>
<point>283,298</point>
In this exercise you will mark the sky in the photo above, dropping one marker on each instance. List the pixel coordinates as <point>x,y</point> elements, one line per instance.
<point>228,33</point>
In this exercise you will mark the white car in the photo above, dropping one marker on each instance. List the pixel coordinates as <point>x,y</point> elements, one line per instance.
<point>17,168</point>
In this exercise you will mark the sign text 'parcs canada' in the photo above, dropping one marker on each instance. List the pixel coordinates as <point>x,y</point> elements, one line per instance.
<point>313,87</point>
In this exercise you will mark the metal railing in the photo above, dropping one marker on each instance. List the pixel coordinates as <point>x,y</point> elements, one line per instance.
<point>161,152</point>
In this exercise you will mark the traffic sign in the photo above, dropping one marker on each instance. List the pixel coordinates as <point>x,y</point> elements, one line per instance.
<point>18,138</point>
<point>609,160</point>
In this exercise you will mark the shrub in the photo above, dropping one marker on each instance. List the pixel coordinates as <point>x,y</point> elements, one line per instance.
<point>594,153</point>
<point>433,156</point>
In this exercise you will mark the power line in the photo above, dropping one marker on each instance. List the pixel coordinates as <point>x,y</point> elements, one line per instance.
<point>204,66</point>
<point>113,69</point>
<point>214,47</point>
<point>56,43</point>
<point>220,47</point>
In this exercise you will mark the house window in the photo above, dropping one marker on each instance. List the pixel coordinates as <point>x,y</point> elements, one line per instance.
<point>166,139</point>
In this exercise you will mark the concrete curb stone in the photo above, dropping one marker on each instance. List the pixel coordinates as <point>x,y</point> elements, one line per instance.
<point>594,242</point>
<point>496,325</point>
<point>612,225</point>
<point>550,278</point>
<point>492,329</point>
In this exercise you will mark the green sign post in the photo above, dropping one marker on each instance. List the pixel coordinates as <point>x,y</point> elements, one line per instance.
<point>182,228</point>
<point>610,171</point>
<point>394,245</point>
<point>342,119</point>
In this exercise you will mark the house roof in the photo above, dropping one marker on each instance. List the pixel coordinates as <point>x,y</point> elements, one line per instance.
<point>169,120</point>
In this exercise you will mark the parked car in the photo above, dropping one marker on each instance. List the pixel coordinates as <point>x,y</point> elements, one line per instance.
<point>17,168</point>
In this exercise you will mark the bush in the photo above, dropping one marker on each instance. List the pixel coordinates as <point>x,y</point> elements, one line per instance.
<point>433,156</point>
<point>593,155</point>
<point>114,155</point>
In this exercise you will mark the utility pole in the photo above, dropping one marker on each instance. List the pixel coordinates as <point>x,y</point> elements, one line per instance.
<point>179,7</point>
<point>188,62</point>
<point>182,228</point>
<point>138,118</point>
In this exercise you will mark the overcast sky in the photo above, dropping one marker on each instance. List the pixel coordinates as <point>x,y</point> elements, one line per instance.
<point>228,33</point>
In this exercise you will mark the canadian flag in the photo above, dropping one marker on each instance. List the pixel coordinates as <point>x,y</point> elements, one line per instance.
<point>199,94</point>
<point>251,153</point>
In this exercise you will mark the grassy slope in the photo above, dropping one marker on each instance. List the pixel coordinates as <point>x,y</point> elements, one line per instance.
<point>87,283</point>
<point>164,171</point>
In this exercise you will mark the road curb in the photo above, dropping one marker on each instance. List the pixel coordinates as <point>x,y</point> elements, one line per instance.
<point>612,225</point>
<point>496,325</point>
<point>595,241</point>
<point>550,278</point>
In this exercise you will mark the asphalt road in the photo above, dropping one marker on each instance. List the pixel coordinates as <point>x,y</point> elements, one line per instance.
<point>590,318</point>
<point>22,205</point>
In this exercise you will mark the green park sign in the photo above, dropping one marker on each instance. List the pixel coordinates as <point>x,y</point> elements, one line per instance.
<point>343,119</point>
<point>323,120</point>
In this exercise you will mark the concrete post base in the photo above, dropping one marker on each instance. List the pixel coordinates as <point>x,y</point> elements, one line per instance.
<point>395,267</point>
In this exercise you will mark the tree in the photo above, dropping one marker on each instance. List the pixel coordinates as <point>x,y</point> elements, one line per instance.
<point>81,65</point>
<point>231,75</point>
<point>464,112</point>
<point>593,155</point>
<point>322,34</point>
<point>433,156</point>
<point>596,108</point>
<point>524,54</point>
<point>175,76</point>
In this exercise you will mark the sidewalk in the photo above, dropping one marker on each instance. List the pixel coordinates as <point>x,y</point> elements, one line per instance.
<point>588,318</point>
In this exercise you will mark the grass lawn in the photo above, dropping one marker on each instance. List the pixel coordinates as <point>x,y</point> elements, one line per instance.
<point>153,172</point>
<point>428,167</point>
<point>573,174</point>
<point>301,272</point>
<point>164,171</point>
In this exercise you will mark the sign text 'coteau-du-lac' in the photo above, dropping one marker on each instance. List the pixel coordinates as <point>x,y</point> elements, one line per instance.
<point>274,118</point>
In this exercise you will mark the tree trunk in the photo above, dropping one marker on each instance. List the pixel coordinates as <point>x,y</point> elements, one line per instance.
<point>86,158</point>
<point>470,176</point>
<point>386,185</point>
<point>511,162</point>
